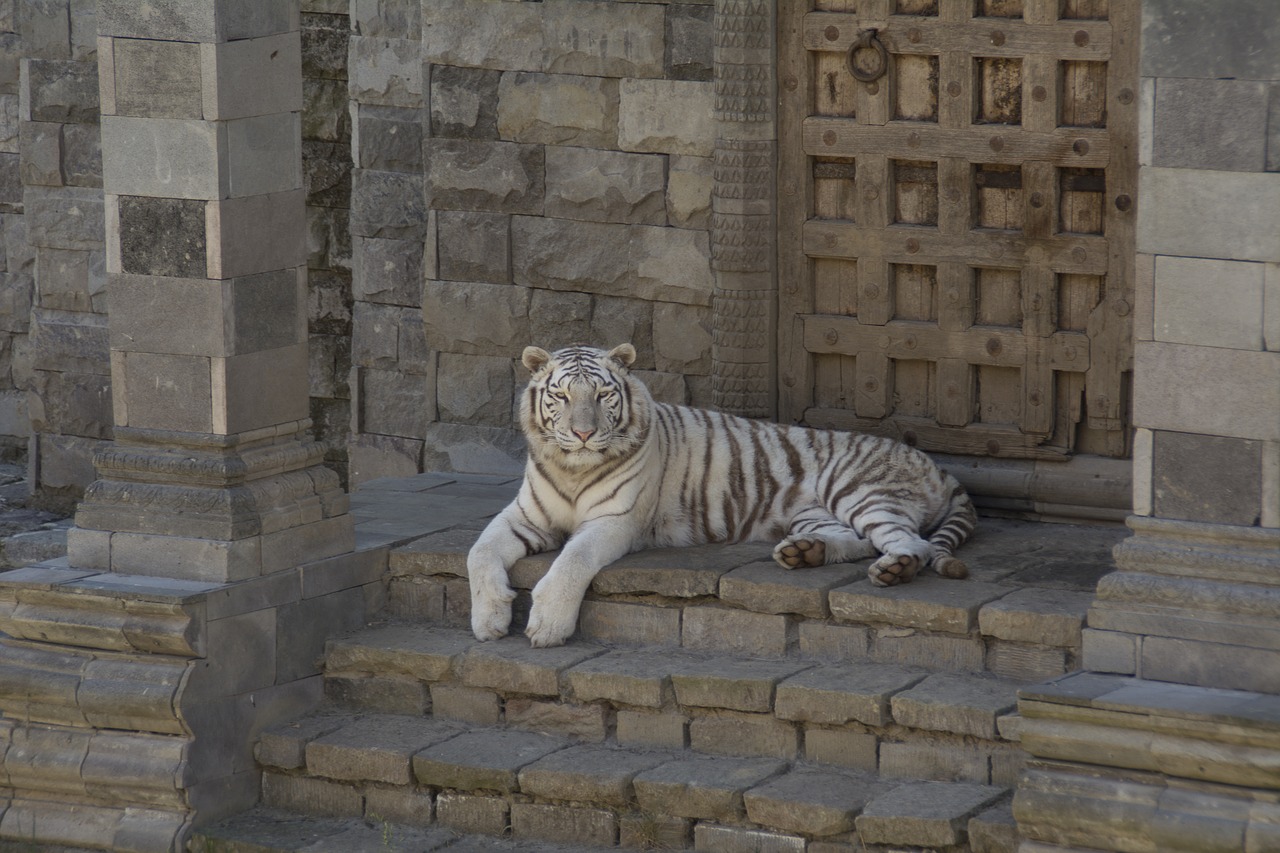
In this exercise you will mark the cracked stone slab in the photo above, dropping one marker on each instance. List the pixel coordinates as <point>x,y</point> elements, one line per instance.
<point>1048,617</point>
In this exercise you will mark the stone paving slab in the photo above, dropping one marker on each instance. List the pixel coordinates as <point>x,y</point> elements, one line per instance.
<point>675,572</point>
<point>961,704</point>
<point>1048,617</point>
<point>511,664</point>
<point>766,587</point>
<point>840,693</point>
<point>1178,701</point>
<point>739,684</point>
<point>376,748</point>
<point>629,677</point>
<point>812,801</point>
<point>589,773</point>
<point>709,788</point>
<point>486,760</point>
<point>930,603</point>
<point>422,651</point>
<point>285,745</point>
<point>925,814</point>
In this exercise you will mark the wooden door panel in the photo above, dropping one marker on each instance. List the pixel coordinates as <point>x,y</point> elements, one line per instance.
<point>957,233</point>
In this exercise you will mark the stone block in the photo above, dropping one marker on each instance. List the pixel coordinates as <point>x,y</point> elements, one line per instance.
<point>666,117</point>
<point>394,403</point>
<point>388,272</point>
<point>470,814</point>
<point>465,704</point>
<point>558,109</point>
<point>259,389</point>
<point>1209,302</point>
<point>962,704</point>
<point>652,728</point>
<point>490,450</point>
<point>479,34</point>
<point>162,236</point>
<point>1237,392</point>
<point>81,157</point>
<point>906,646</point>
<point>324,43</point>
<point>588,773</point>
<point>625,319</point>
<point>482,175</point>
<point>385,71</point>
<point>588,723</point>
<point>1210,214</point>
<point>475,389</point>
<point>833,642</point>
<point>944,762</point>
<point>388,204</point>
<point>304,626</point>
<point>1109,651</point>
<point>1210,124</point>
<point>67,218</point>
<point>672,572</point>
<point>477,319</point>
<point>386,18</point>
<point>1206,478</point>
<point>926,814</point>
<point>1023,662</point>
<point>325,110</point>
<point>841,747</point>
<point>682,345</point>
<point>464,102</point>
<point>994,831</point>
<point>252,77</point>
<point>9,125</point>
<point>73,404</point>
<point>708,788</point>
<point>720,629</point>
<point>397,805</point>
<point>605,186</point>
<point>1042,616</point>
<point>285,745</point>
<point>653,831</point>
<point>559,319</point>
<point>487,760</point>
<point>690,31</point>
<point>510,665</point>
<point>378,694</point>
<point>375,336</point>
<point>311,796</point>
<point>264,155</point>
<point>154,79</point>
<point>639,677</point>
<point>163,391</point>
<point>739,684</point>
<point>602,39</point>
<point>40,144</point>
<point>566,824</point>
<point>257,234</point>
<point>734,839</point>
<point>388,139</point>
<point>1209,664</point>
<point>377,749</point>
<point>474,246</point>
<point>637,624</point>
<point>608,259</point>
<point>190,20</point>
<point>1181,41</point>
<point>810,801</point>
<point>929,603</point>
<point>70,279</point>
<point>60,90</point>
<point>723,733</point>
<point>1271,301</point>
<point>843,693</point>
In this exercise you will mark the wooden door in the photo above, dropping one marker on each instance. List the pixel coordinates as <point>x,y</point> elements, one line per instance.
<point>956,228</point>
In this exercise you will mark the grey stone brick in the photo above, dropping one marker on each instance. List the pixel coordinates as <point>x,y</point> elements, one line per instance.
<point>400,806</point>
<point>465,704</point>
<point>325,113</point>
<point>833,642</point>
<point>40,144</point>
<point>617,622</point>
<point>474,246</point>
<point>395,403</point>
<point>739,684</point>
<point>1207,478</point>
<point>583,39</point>
<point>385,71</point>
<point>928,814</point>
<point>511,665</point>
<point>1210,124</point>
<point>734,839</point>
<point>66,218</point>
<point>1046,617</point>
<point>61,90</point>
<point>378,694</point>
<point>682,345</point>
<point>994,831</point>
<point>464,102</point>
<point>1209,664</point>
<point>324,44</point>
<point>158,79</point>
<point>726,733</point>
<point>838,694</point>
<point>841,747</point>
<point>705,787</point>
<point>1237,392</point>
<point>475,389</point>
<point>311,796</point>
<point>476,318</point>
<point>82,155</point>
<point>1109,651</point>
<point>9,123</point>
<point>559,319</point>
<point>689,33</point>
<point>765,587</point>
<point>710,628</point>
<point>813,802</point>
<point>1023,662</point>
<point>194,21</point>
<point>623,319</point>
<point>471,174</point>
<point>388,204</point>
<point>948,762</point>
<point>648,831</point>
<point>388,139</point>
<point>1227,41</point>
<point>589,774</point>
<point>906,646</point>
<point>376,749</point>
<point>588,723</point>
<point>1210,214</point>
<point>326,173</point>
<point>401,18</point>
<point>639,677</point>
<point>487,760</point>
<point>420,651</point>
<point>285,744</point>
<point>558,109</point>
<point>651,728</point>
<point>955,703</point>
<point>466,813</point>
<point>929,603</point>
<point>478,34</point>
<point>387,271</point>
<point>74,404</point>
<point>673,572</point>
<point>257,233</point>
<point>666,116</point>
<point>454,447</point>
<point>1231,318</point>
<point>566,824</point>
<point>605,186</point>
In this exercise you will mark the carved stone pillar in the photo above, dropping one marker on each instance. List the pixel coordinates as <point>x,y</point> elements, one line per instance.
<point>743,235</point>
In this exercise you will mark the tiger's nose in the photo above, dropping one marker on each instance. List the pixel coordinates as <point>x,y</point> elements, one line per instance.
<point>584,434</point>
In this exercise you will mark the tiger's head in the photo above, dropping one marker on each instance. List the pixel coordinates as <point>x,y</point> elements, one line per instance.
<point>582,406</point>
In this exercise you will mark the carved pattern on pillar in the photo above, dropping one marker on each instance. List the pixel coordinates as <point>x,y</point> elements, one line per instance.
<point>743,230</point>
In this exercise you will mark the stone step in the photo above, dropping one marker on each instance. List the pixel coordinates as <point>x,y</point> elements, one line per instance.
<point>1019,615</point>
<point>895,720</point>
<point>435,775</point>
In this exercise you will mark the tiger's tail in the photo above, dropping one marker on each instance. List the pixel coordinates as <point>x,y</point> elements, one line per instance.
<point>954,529</point>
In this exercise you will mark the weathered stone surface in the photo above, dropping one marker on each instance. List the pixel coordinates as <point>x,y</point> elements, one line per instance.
<point>605,186</point>
<point>651,728</point>
<point>907,646</point>
<point>387,18</point>
<point>325,112</point>
<point>475,389</point>
<point>324,43</point>
<point>666,116</point>
<point>814,802</point>
<point>388,138</point>
<point>588,723</point>
<point>735,839</point>
<point>583,38</point>
<point>476,33</point>
<point>994,831</point>
<point>841,748</point>
<point>558,109</point>
<point>673,572</point>
<point>396,403</point>
<point>492,450</point>
<point>465,704</point>
<point>464,102</point>
<point>310,796</point>
<point>927,814</point>
<point>477,318</point>
<point>1231,318</point>
<point>1180,41</point>
<point>1211,124</point>
<point>387,271</point>
<point>66,218</point>
<point>833,642</point>
<point>841,693</point>
<point>682,345</point>
<point>385,71</point>
<point>376,749</point>
<point>472,174</point>
<point>928,602</point>
<point>417,650</point>
<point>81,156</point>
<point>388,204</point>
<point>729,682</point>
<point>162,236</point>
<point>636,624</point>
<point>488,760</point>
<point>727,733</point>
<point>591,774</point>
<point>474,246</point>
<point>558,319</point>
<point>689,31</point>
<point>612,259</point>
<point>285,745</point>
<point>766,587</point>
<point>1238,391</point>
<point>62,91</point>
<point>567,824</point>
<point>918,759</point>
<point>375,456</point>
<point>711,628</point>
<point>962,704</point>
<point>708,788</point>
<point>1046,617</point>
<point>1234,214</point>
<point>41,146</point>
<point>156,78</point>
<point>653,831</point>
<point>1207,478</point>
<point>1023,662</point>
<point>465,813</point>
<point>512,665</point>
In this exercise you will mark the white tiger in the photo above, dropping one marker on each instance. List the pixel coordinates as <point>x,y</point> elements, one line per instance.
<point>611,471</point>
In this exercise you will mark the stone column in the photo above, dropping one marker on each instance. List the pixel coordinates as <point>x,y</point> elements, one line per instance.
<point>213,475</point>
<point>744,195</point>
<point>1168,740</point>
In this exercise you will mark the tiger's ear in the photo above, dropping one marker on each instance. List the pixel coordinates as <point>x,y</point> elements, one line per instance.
<point>535,358</point>
<point>623,354</point>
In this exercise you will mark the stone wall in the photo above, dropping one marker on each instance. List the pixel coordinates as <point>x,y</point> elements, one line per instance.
<point>524,173</point>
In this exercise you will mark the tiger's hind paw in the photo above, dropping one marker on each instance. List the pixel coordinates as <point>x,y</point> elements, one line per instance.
<point>796,552</point>
<point>893,569</point>
<point>950,567</point>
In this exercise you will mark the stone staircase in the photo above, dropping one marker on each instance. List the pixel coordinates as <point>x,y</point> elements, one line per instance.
<point>709,700</point>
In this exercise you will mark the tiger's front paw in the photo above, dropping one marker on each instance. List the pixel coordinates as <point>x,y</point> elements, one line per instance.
<point>893,569</point>
<point>796,551</point>
<point>491,611</point>
<point>552,619</point>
